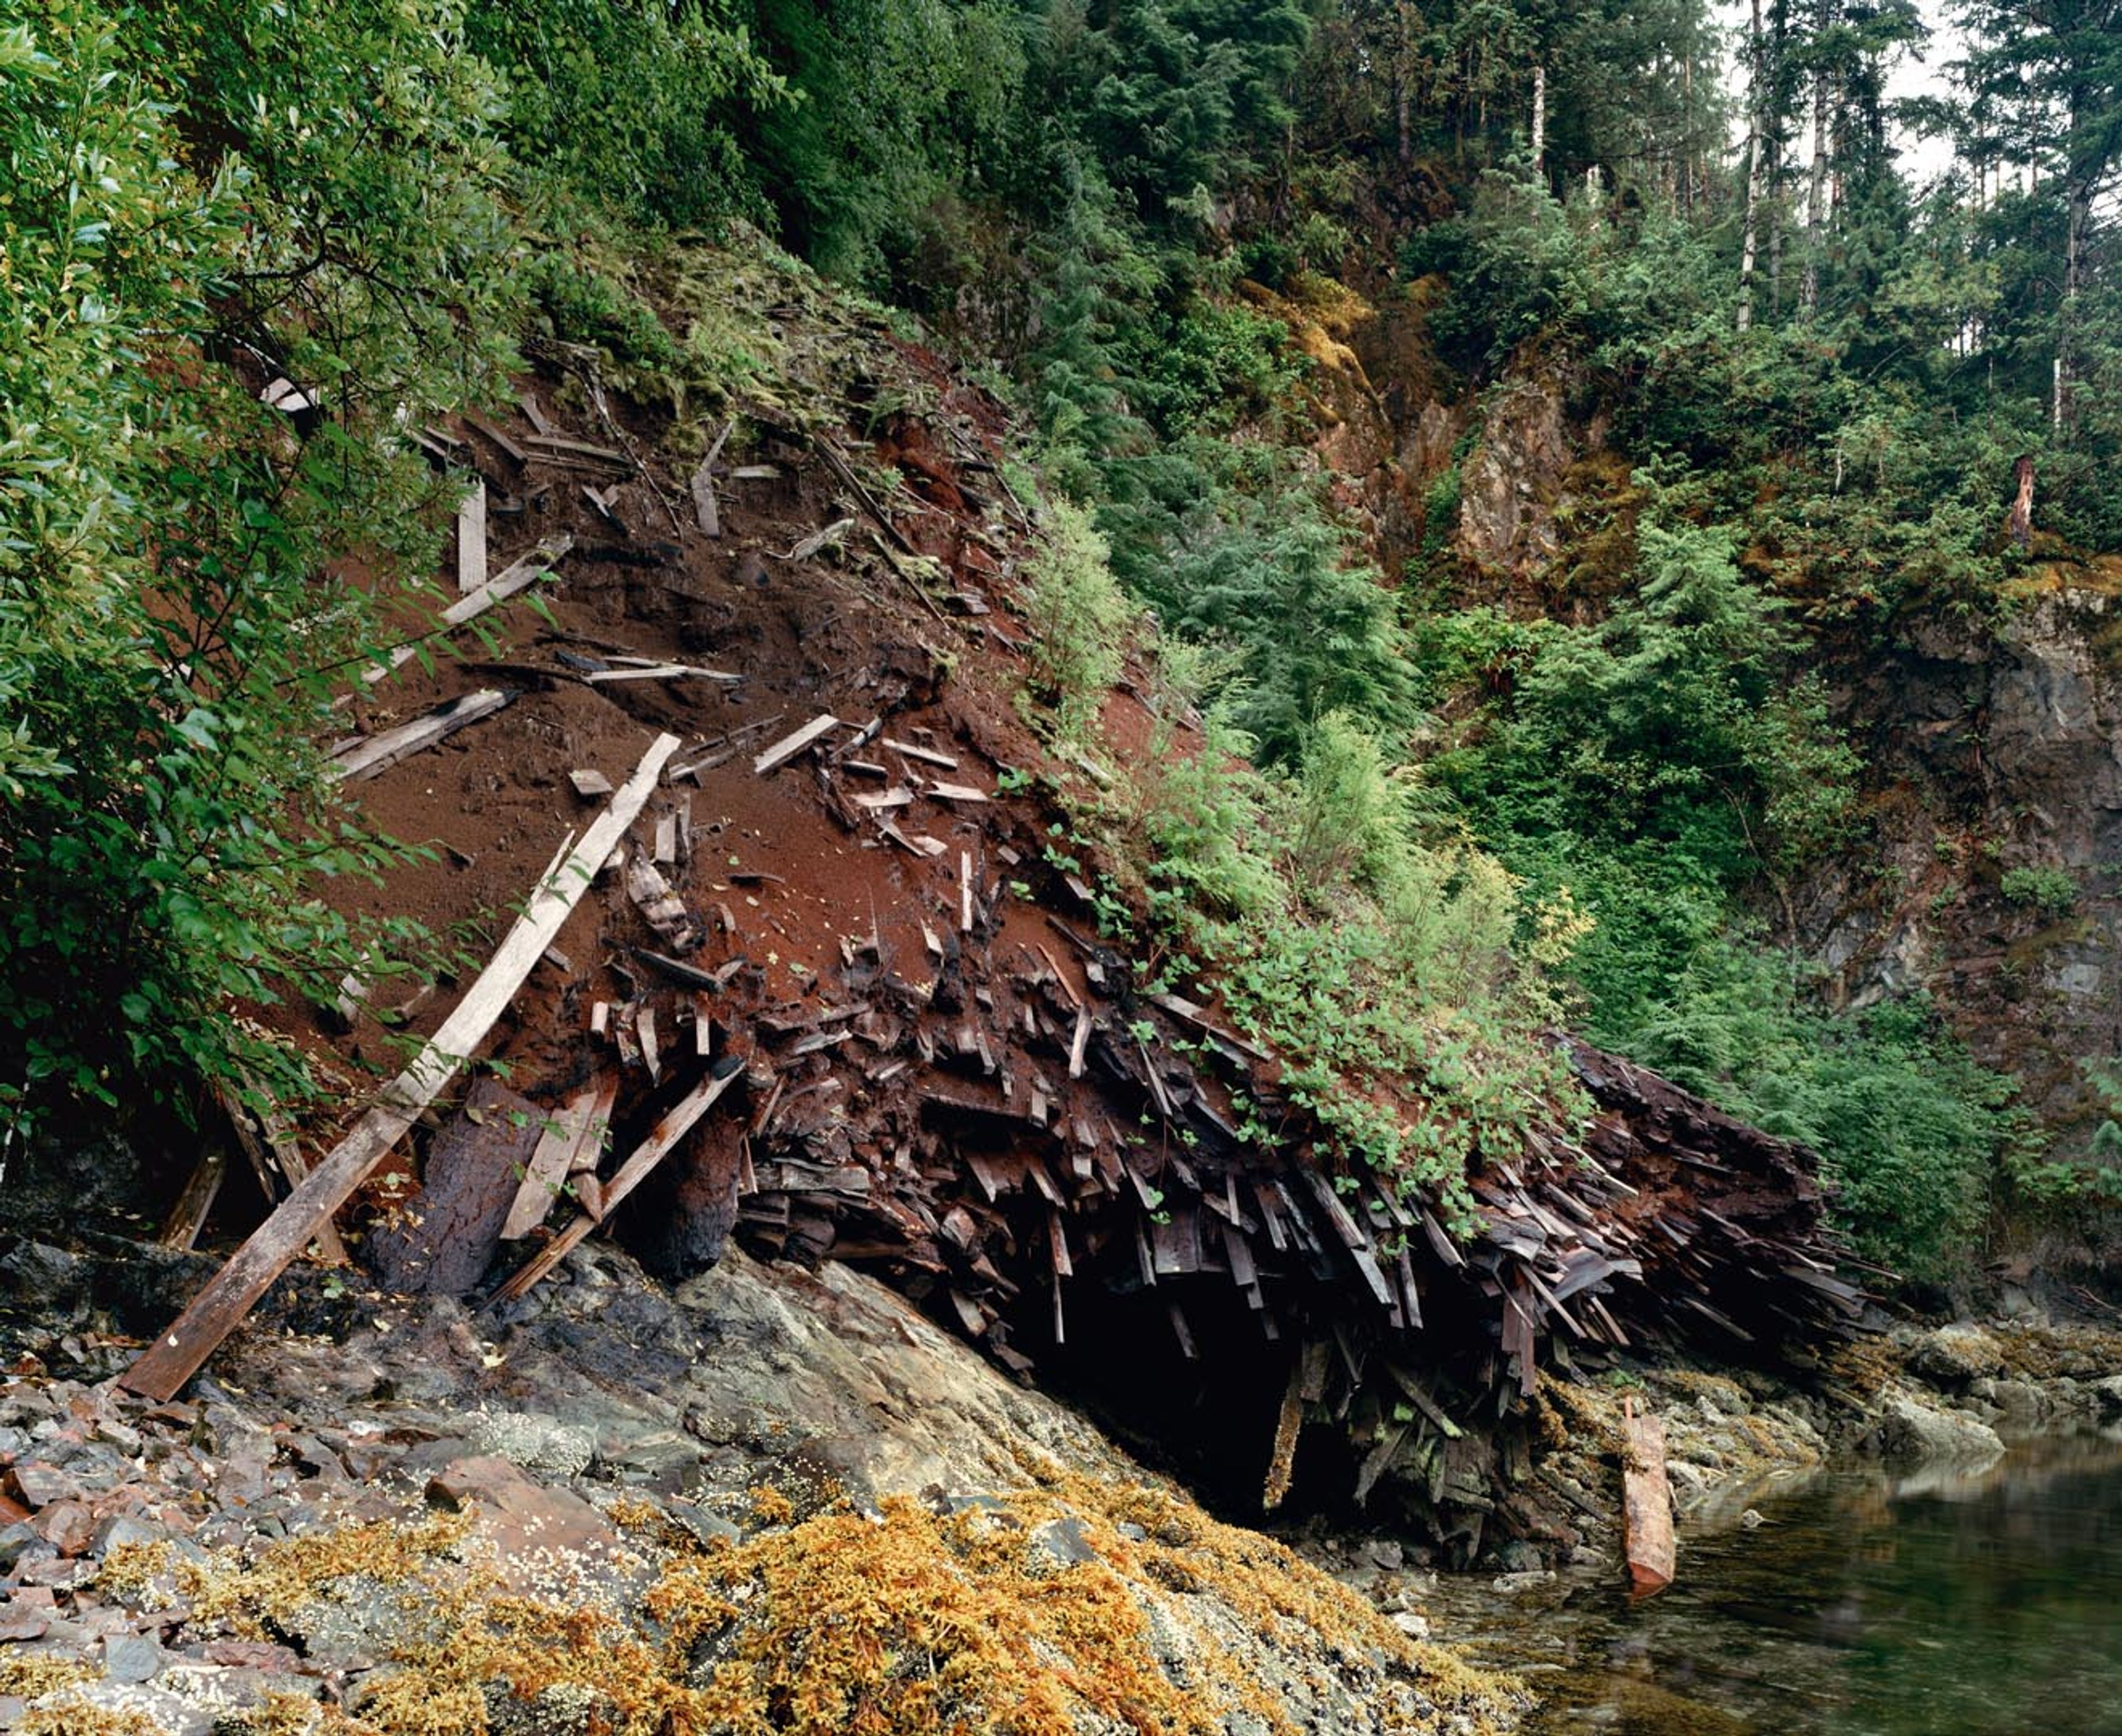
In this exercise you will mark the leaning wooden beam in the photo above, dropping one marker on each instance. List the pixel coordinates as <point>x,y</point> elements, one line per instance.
<point>187,1216</point>
<point>581,1124</point>
<point>277,1161</point>
<point>231,1292</point>
<point>503,585</point>
<point>384,749</point>
<point>674,1126</point>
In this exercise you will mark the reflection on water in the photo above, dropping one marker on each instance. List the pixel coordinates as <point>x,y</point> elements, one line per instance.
<point>1985,1603</point>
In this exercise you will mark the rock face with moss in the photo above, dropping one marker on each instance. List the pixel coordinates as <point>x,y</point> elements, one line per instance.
<point>1999,896</point>
<point>771,1500</point>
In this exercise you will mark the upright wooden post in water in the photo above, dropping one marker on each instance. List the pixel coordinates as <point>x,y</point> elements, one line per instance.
<point>174,1357</point>
<point>1646,1503</point>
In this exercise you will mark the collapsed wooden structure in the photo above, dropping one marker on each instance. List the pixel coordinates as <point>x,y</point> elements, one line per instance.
<point>971,1097</point>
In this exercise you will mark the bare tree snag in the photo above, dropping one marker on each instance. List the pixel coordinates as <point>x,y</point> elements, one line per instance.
<point>234,1290</point>
<point>2020,525</point>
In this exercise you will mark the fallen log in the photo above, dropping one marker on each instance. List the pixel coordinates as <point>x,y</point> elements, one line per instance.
<point>231,1292</point>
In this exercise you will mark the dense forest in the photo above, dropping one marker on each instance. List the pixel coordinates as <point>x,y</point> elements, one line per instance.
<point>1447,801</point>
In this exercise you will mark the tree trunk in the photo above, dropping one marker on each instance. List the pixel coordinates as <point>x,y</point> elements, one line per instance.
<point>1539,117</point>
<point>1749,245</point>
<point>1815,199</point>
<point>1404,86</point>
<point>2077,221</point>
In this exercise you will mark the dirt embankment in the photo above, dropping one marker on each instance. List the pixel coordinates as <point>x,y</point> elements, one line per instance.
<point>940,1069</point>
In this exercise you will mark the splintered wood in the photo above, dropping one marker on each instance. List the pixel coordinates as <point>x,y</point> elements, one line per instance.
<point>230,1293</point>
<point>645,1157</point>
<point>577,1129</point>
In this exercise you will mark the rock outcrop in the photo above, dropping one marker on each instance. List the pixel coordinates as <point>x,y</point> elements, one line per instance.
<point>622,1509</point>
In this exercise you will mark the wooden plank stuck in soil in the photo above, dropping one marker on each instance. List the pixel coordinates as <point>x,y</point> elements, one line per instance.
<point>674,1126</point>
<point>926,756</point>
<point>519,575</point>
<point>581,1123</point>
<point>175,1356</point>
<point>380,752</point>
<point>789,746</point>
<point>471,537</point>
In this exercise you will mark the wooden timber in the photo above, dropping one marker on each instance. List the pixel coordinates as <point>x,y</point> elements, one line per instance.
<point>174,1357</point>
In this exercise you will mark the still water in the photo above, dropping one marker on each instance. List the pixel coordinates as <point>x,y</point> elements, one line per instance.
<point>1977,1603</point>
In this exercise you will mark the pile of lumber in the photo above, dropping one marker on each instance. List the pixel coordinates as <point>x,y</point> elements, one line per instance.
<point>1006,1129</point>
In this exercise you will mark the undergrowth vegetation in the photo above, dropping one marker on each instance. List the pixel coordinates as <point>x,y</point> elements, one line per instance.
<point>1428,809</point>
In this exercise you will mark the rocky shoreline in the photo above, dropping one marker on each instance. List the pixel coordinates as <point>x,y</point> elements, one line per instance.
<point>770,1499</point>
<point>1955,1397</point>
<point>617,1506</point>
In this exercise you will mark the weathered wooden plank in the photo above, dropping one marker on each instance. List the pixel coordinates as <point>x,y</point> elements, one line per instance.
<point>229,1294</point>
<point>1646,1504</point>
<point>705,512</point>
<point>189,1215</point>
<point>380,752</point>
<point>575,448</point>
<point>848,480</point>
<point>661,907</point>
<point>519,575</point>
<point>471,537</point>
<point>676,1123</point>
<point>579,1126</point>
<point>660,672</point>
<point>278,1162</point>
<point>789,746</point>
<point>509,450</point>
<point>926,756</point>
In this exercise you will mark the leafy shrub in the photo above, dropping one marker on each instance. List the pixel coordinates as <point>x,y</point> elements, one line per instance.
<point>2052,892</point>
<point>1079,619</point>
<point>168,616</point>
<point>633,109</point>
<point>1348,812</point>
